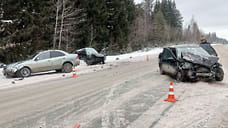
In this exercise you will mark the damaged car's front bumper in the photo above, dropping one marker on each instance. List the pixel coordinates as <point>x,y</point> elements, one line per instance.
<point>9,71</point>
<point>199,72</point>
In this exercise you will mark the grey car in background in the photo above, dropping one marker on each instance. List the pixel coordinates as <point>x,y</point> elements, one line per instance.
<point>43,61</point>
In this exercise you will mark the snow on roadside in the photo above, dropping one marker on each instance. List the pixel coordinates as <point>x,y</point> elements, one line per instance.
<point>81,69</point>
<point>134,54</point>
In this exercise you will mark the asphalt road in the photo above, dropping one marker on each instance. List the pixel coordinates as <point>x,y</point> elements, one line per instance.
<point>69,101</point>
<point>127,95</point>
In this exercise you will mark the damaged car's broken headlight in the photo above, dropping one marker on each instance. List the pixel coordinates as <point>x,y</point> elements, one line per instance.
<point>187,65</point>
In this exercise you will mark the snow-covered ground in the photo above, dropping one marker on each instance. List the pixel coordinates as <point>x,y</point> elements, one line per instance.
<point>136,54</point>
<point>111,61</point>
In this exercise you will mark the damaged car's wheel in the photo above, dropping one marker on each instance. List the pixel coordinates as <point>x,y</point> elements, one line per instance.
<point>180,76</point>
<point>24,72</point>
<point>103,61</point>
<point>219,74</point>
<point>161,71</point>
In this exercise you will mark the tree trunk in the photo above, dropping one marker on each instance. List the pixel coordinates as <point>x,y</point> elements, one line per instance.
<point>56,24</point>
<point>67,43</point>
<point>91,35</point>
<point>61,28</point>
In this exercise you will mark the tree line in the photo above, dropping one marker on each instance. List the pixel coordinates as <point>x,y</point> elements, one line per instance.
<point>118,26</point>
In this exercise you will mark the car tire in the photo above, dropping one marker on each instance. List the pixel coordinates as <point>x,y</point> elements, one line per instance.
<point>88,62</point>
<point>161,71</point>
<point>67,68</point>
<point>180,76</point>
<point>24,72</point>
<point>219,74</point>
<point>103,61</point>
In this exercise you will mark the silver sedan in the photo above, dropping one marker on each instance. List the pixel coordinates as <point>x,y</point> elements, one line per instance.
<point>43,61</point>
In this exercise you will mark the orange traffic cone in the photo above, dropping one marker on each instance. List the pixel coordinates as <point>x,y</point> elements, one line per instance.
<point>77,126</point>
<point>74,72</point>
<point>171,97</point>
<point>147,58</point>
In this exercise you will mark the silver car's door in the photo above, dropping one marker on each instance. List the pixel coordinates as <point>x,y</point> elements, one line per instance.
<point>42,62</point>
<point>57,59</point>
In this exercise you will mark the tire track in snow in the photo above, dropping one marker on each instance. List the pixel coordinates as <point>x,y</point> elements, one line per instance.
<point>117,95</point>
<point>127,108</point>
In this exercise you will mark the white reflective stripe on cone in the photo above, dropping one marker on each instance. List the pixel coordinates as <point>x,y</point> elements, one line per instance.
<point>171,93</point>
<point>170,86</point>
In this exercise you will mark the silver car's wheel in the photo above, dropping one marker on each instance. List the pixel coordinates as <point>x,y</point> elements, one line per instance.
<point>67,68</point>
<point>24,72</point>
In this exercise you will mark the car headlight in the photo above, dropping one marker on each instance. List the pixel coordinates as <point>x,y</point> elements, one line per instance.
<point>14,69</point>
<point>187,65</point>
<point>10,69</point>
<point>19,66</point>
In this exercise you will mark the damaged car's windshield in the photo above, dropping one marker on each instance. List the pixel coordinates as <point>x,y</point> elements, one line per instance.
<point>193,50</point>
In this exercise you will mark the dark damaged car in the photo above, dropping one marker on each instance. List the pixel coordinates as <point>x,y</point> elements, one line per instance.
<point>190,62</point>
<point>90,56</point>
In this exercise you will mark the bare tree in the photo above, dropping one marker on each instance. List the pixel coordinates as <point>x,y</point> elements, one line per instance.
<point>192,32</point>
<point>65,23</point>
<point>141,29</point>
<point>61,27</point>
<point>91,35</point>
<point>58,5</point>
<point>148,9</point>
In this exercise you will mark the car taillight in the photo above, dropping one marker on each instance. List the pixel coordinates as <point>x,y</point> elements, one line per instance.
<point>77,57</point>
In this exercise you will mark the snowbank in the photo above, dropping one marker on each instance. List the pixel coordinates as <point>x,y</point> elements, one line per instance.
<point>134,54</point>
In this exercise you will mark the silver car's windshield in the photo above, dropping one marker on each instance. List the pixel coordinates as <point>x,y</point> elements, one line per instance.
<point>193,50</point>
<point>32,56</point>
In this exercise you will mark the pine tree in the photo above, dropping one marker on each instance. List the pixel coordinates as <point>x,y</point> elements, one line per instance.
<point>107,23</point>
<point>93,31</point>
<point>173,19</point>
<point>159,27</point>
<point>30,29</point>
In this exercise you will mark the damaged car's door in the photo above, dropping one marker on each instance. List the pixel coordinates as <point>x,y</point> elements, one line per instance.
<point>168,62</point>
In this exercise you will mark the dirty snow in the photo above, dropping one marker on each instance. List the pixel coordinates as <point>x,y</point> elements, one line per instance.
<point>134,54</point>
<point>80,70</point>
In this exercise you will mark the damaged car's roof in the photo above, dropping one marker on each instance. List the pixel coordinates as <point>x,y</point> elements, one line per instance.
<point>195,54</point>
<point>184,46</point>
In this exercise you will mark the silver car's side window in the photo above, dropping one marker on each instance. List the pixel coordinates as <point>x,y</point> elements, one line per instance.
<point>43,56</point>
<point>56,54</point>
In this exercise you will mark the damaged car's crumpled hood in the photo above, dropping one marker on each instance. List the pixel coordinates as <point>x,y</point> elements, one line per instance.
<point>200,59</point>
<point>15,64</point>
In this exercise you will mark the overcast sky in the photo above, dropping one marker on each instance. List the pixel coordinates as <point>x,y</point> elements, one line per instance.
<point>211,15</point>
